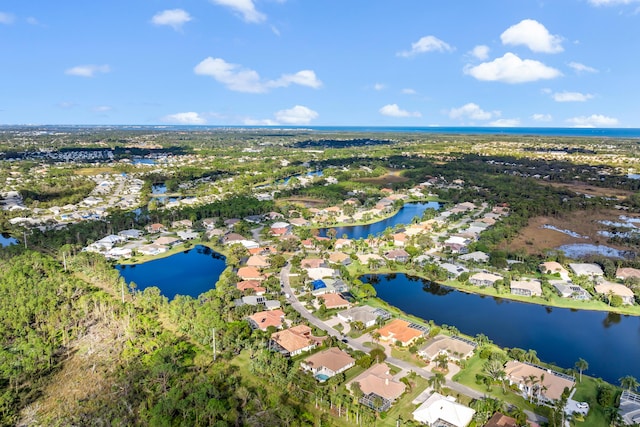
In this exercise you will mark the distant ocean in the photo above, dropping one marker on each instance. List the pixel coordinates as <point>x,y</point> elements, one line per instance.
<point>471,130</point>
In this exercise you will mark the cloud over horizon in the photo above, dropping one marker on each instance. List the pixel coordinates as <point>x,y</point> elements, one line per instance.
<point>511,69</point>
<point>240,79</point>
<point>186,118</point>
<point>592,121</point>
<point>298,115</point>
<point>392,110</point>
<point>472,111</point>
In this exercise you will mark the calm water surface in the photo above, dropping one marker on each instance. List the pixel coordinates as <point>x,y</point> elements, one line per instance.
<point>7,240</point>
<point>403,217</point>
<point>191,272</point>
<point>609,342</point>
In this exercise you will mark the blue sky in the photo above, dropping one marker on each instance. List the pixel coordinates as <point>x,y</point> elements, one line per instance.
<point>550,63</point>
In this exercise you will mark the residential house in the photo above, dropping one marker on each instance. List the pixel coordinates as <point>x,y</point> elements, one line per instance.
<point>552,267</point>
<point>309,263</point>
<point>400,331</point>
<point>454,347</point>
<point>328,363</point>
<point>484,279</point>
<point>547,385</point>
<point>299,222</point>
<point>280,228</point>
<point>527,288</point>
<point>252,285</point>
<point>397,255</point>
<point>130,234</point>
<point>365,314</point>
<point>586,269</point>
<point>183,223</point>
<point>320,273</point>
<point>438,411</point>
<point>332,301</point>
<point>250,273</point>
<point>629,407</point>
<point>400,239</point>
<point>453,270</point>
<point>627,273</point>
<point>294,341</point>
<point>342,243</point>
<point>258,261</point>
<point>609,288</point>
<point>501,420</point>
<point>569,290</point>
<point>339,258</point>
<point>188,235</point>
<point>167,241</point>
<point>377,381</point>
<point>156,228</point>
<point>152,249</point>
<point>477,256</point>
<point>209,223</point>
<point>264,319</point>
<point>232,238</point>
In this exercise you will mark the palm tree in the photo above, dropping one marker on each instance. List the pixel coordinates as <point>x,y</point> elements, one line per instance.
<point>442,361</point>
<point>581,365</point>
<point>437,381</point>
<point>629,382</point>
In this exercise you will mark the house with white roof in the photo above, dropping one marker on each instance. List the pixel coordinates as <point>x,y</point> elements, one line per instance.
<point>439,410</point>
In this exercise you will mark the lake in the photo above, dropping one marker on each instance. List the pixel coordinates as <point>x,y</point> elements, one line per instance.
<point>7,240</point>
<point>191,272</point>
<point>402,217</point>
<point>609,342</point>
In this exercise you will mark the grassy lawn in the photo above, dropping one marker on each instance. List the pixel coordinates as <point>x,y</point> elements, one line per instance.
<point>405,355</point>
<point>403,407</point>
<point>587,391</point>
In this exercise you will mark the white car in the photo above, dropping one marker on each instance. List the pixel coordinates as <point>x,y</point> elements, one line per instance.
<point>582,405</point>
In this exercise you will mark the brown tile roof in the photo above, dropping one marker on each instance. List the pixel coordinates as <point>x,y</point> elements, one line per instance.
<point>250,284</point>
<point>399,330</point>
<point>555,385</point>
<point>378,380</point>
<point>264,319</point>
<point>295,338</point>
<point>334,301</point>
<point>332,358</point>
<point>249,273</point>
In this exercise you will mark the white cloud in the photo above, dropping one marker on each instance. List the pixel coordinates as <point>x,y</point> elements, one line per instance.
<point>511,69</point>
<point>379,86</point>
<point>392,110</point>
<point>298,115</point>
<point>87,70</point>
<point>409,91</point>
<point>101,109</point>
<point>480,52</point>
<point>505,123</point>
<point>426,44</point>
<point>532,34</point>
<point>239,79</point>
<point>542,117</point>
<point>611,2</point>
<point>302,78</point>
<point>32,21</point>
<point>258,122</point>
<point>594,120</point>
<point>472,111</point>
<point>571,97</point>
<point>6,18</point>
<point>187,118</point>
<point>174,18</point>
<point>245,8</point>
<point>579,68</point>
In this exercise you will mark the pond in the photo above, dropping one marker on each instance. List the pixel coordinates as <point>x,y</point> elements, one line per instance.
<point>609,342</point>
<point>403,217</point>
<point>7,240</point>
<point>191,272</point>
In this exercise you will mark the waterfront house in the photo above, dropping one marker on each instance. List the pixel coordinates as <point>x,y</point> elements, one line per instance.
<point>328,363</point>
<point>439,410</point>
<point>629,407</point>
<point>547,385</point>
<point>528,288</point>
<point>484,279</point>
<point>167,241</point>
<point>567,289</point>
<point>250,273</point>
<point>365,314</point>
<point>454,347</point>
<point>609,288</point>
<point>264,319</point>
<point>397,255</point>
<point>552,267</point>
<point>294,341</point>
<point>400,331</point>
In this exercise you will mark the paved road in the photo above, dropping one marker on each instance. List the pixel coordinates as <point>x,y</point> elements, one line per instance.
<point>358,344</point>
